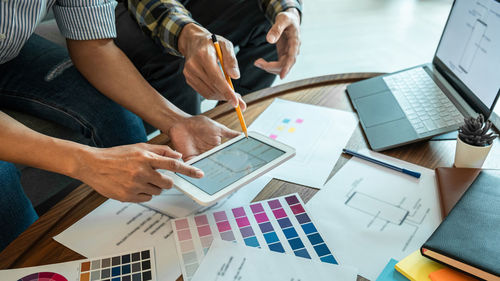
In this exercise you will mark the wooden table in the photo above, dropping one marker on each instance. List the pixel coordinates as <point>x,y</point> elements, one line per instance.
<point>36,246</point>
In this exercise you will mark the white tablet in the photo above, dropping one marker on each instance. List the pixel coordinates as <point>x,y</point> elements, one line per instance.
<point>230,166</point>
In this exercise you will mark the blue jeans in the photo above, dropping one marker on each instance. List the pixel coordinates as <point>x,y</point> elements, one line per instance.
<point>16,211</point>
<point>42,82</point>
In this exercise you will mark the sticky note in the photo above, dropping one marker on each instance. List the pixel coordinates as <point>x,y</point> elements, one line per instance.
<point>417,267</point>
<point>390,273</point>
<point>446,274</point>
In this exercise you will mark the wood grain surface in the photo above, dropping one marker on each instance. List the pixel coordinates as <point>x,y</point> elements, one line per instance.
<point>36,246</point>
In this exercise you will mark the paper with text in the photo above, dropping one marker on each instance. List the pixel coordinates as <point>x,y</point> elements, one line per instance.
<point>370,213</point>
<point>227,261</point>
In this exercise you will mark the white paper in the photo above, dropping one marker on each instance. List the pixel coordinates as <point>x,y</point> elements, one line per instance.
<point>317,133</point>
<point>117,227</point>
<point>370,214</point>
<point>230,261</point>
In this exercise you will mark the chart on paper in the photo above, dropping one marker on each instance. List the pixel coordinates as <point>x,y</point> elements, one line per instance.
<point>370,214</point>
<point>405,213</point>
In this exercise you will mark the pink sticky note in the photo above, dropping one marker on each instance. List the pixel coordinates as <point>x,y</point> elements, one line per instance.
<point>273,136</point>
<point>299,120</point>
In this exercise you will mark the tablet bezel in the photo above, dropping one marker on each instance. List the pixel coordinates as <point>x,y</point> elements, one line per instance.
<point>205,199</point>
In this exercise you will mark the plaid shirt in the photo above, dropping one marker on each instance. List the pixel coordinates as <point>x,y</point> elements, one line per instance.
<point>163,20</point>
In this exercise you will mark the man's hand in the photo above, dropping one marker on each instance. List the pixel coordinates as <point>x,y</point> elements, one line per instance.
<point>201,69</point>
<point>286,35</point>
<point>198,134</point>
<point>129,173</point>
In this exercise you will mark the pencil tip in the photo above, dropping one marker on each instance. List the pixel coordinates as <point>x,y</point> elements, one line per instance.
<point>214,38</point>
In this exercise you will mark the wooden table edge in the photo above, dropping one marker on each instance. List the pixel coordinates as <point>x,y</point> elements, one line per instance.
<point>33,234</point>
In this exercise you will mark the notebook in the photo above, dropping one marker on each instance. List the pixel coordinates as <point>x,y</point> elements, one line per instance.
<point>452,183</point>
<point>468,239</point>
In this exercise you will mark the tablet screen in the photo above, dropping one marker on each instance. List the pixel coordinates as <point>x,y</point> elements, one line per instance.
<point>232,163</point>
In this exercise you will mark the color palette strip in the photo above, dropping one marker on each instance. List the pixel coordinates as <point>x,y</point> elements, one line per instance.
<point>310,230</point>
<point>135,266</point>
<point>281,225</point>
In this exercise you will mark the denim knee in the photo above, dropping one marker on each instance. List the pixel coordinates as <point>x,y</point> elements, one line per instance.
<point>118,126</point>
<point>16,211</point>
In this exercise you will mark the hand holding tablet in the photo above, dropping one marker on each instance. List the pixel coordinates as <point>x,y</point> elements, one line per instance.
<point>230,166</point>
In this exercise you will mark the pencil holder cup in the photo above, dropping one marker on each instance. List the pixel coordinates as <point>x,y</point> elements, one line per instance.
<point>470,156</point>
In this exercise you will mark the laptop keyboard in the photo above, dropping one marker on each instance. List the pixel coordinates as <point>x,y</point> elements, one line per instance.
<point>423,102</point>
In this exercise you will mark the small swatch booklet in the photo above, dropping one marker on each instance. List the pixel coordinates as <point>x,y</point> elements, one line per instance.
<point>130,266</point>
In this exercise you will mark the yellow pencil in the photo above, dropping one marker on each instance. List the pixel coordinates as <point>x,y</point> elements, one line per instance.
<point>228,79</point>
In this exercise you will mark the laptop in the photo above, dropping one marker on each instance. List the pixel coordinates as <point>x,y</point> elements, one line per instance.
<point>431,99</point>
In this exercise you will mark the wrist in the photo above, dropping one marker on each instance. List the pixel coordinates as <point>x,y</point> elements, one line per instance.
<point>169,118</point>
<point>294,11</point>
<point>82,158</point>
<point>188,34</point>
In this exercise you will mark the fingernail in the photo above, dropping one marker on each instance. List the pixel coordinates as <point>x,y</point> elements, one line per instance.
<point>236,72</point>
<point>272,38</point>
<point>199,173</point>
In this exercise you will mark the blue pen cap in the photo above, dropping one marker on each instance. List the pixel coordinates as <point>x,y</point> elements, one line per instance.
<point>411,173</point>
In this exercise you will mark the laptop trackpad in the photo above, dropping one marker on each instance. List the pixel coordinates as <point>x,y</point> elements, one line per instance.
<point>378,109</point>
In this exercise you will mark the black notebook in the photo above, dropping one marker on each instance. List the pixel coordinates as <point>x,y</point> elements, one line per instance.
<point>469,237</point>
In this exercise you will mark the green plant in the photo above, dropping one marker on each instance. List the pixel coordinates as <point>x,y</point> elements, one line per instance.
<point>475,131</point>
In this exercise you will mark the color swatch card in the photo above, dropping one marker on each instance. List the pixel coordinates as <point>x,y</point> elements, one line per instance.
<point>130,266</point>
<point>280,225</point>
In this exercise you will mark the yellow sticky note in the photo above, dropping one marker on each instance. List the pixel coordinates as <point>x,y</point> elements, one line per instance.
<point>291,130</point>
<point>417,267</point>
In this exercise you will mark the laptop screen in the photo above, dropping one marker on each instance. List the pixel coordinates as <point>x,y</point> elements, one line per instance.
<point>470,49</point>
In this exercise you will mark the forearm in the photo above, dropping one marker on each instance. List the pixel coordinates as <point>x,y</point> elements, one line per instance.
<point>108,69</point>
<point>19,144</point>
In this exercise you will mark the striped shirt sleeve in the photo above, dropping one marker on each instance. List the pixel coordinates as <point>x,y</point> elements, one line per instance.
<point>86,19</point>
<point>272,8</point>
<point>162,20</point>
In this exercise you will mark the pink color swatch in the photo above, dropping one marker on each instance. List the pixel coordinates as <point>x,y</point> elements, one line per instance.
<point>279,213</point>
<point>239,212</point>
<point>201,220</point>
<point>297,209</point>
<point>204,230</point>
<point>184,234</point>
<point>220,216</point>
<point>261,217</point>
<point>181,224</point>
<point>257,208</point>
<point>223,226</point>
<point>243,221</point>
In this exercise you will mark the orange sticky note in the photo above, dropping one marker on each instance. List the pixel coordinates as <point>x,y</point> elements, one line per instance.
<point>446,274</point>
